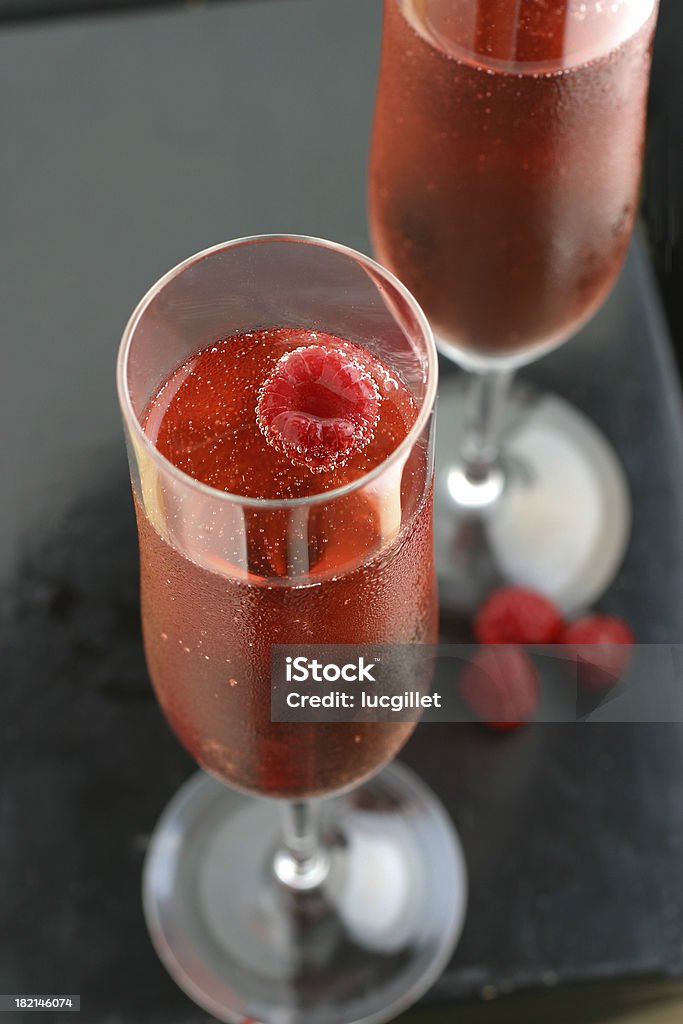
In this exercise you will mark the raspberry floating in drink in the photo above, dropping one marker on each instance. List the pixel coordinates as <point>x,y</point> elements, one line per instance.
<point>318,406</point>
<point>602,649</point>
<point>235,414</point>
<point>518,615</point>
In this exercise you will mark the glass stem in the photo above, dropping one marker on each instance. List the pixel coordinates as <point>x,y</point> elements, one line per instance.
<point>477,482</point>
<point>486,400</point>
<point>302,862</point>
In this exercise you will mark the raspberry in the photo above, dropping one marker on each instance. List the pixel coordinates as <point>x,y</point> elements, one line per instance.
<point>601,649</point>
<point>500,686</point>
<point>517,615</point>
<point>318,407</point>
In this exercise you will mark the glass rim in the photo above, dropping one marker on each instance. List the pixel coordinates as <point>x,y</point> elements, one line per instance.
<point>168,467</point>
<point>525,68</point>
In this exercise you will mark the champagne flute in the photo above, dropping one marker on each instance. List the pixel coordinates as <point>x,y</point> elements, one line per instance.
<point>293,909</point>
<point>504,179</point>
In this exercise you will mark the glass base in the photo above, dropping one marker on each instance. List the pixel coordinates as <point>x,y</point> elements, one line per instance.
<point>561,517</point>
<point>364,946</point>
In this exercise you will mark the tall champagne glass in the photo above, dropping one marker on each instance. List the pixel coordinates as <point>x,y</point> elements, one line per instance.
<point>504,180</point>
<point>289,910</point>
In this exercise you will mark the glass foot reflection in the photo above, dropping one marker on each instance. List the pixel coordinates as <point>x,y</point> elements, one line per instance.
<point>559,521</point>
<point>362,947</point>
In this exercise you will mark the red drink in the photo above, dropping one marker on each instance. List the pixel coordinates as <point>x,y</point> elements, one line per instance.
<point>208,630</point>
<point>506,160</point>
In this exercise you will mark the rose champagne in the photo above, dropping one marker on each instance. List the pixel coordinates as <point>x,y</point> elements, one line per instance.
<point>279,415</point>
<point>506,160</point>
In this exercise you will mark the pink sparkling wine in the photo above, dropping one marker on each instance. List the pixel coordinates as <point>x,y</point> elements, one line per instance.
<point>280,414</point>
<point>506,162</point>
